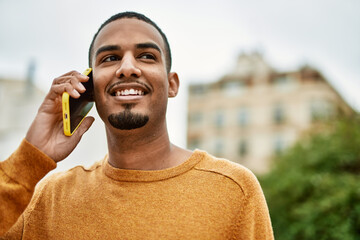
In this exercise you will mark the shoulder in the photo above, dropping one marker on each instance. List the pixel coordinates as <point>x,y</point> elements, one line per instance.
<point>61,187</point>
<point>71,177</point>
<point>237,173</point>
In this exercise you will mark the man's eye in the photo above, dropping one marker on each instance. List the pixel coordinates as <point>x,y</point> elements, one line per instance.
<point>110,59</point>
<point>147,56</point>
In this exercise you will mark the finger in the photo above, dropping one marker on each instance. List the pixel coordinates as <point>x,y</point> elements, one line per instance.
<point>69,82</point>
<point>64,78</point>
<point>72,76</point>
<point>75,79</point>
<point>84,126</point>
<point>77,85</point>
<point>75,74</point>
<point>83,78</point>
<point>59,89</point>
<point>78,76</point>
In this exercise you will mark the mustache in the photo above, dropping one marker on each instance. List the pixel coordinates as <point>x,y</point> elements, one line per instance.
<point>145,85</point>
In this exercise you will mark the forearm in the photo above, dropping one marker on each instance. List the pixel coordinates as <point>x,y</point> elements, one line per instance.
<point>18,176</point>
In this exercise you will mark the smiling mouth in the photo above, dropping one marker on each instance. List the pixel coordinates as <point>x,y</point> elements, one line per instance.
<point>128,92</point>
<point>129,89</point>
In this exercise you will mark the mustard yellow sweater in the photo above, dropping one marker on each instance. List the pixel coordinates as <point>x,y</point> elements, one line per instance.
<point>203,198</point>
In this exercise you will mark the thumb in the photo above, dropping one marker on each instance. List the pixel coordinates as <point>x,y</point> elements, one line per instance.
<point>84,126</point>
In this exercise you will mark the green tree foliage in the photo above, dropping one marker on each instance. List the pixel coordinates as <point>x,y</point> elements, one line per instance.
<point>313,190</point>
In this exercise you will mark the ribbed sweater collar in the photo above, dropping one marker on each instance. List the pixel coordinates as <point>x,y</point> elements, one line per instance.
<point>150,176</point>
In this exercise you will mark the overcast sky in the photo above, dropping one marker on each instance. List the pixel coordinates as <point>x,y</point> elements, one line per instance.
<point>205,36</point>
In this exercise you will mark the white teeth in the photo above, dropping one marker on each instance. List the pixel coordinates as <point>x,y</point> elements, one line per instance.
<point>128,92</point>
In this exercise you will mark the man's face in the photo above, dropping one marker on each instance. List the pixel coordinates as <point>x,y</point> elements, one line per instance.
<point>130,78</point>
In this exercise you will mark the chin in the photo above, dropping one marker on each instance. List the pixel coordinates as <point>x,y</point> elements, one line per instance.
<point>127,120</point>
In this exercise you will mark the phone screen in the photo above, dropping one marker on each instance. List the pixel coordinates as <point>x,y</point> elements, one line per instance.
<point>78,108</point>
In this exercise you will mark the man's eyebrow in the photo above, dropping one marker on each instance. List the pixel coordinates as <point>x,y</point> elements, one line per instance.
<point>148,45</point>
<point>116,47</point>
<point>107,48</point>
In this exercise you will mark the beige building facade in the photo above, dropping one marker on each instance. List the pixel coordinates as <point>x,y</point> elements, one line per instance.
<point>19,102</point>
<point>255,112</point>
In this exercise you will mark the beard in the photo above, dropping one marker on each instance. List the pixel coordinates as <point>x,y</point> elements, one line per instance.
<point>128,120</point>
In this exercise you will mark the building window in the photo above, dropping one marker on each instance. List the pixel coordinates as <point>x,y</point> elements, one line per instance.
<point>243,117</point>
<point>196,118</point>
<point>198,90</point>
<point>219,119</point>
<point>321,110</point>
<point>219,148</point>
<point>285,83</point>
<point>243,148</point>
<point>279,114</point>
<point>279,145</point>
<point>194,144</point>
<point>233,88</point>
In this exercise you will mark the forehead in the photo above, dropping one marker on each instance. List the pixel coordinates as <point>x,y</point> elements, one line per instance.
<point>129,31</point>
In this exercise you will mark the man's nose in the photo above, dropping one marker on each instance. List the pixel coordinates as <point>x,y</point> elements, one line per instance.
<point>128,67</point>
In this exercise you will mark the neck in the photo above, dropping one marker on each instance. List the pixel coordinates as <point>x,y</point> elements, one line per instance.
<point>134,150</point>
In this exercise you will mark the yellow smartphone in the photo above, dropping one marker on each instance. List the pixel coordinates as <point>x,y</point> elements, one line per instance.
<point>76,109</point>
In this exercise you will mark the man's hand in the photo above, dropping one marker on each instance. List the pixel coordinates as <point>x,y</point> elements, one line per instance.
<point>46,132</point>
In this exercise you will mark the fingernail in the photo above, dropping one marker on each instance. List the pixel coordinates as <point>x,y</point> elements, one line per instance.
<point>82,87</point>
<point>76,93</point>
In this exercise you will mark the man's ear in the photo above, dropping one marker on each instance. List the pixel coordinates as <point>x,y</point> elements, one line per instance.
<point>174,83</point>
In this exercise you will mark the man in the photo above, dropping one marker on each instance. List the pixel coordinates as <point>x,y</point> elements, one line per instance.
<point>146,187</point>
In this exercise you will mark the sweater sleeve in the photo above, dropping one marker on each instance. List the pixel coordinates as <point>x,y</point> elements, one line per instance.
<point>254,220</point>
<point>18,176</point>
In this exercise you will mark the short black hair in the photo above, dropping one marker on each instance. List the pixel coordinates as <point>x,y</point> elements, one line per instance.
<point>142,18</point>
